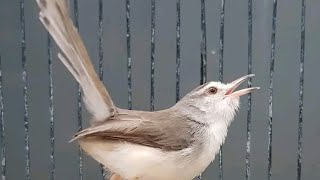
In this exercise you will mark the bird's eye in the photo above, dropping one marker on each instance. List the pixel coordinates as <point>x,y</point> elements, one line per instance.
<point>213,90</point>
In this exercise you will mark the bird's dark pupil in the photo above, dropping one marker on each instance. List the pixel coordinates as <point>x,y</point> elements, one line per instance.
<point>213,90</point>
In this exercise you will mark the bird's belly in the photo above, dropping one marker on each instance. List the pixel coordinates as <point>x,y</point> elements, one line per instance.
<point>205,154</point>
<point>130,161</point>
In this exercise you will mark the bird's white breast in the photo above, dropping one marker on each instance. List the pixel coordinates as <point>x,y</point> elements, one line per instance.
<point>130,160</point>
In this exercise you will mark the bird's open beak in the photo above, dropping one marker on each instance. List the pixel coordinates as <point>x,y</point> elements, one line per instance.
<point>236,83</point>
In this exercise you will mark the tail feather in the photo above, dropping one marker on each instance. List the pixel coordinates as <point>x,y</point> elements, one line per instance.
<point>55,17</point>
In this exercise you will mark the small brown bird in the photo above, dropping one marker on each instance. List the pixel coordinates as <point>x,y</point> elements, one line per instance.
<point>177,143</point>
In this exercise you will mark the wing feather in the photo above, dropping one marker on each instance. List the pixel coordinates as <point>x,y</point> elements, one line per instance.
<point>171,133</point>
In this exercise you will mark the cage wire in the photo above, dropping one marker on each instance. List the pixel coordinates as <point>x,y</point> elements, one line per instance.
<point>25,89</point>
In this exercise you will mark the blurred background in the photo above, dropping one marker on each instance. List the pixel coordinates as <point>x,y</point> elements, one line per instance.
<point>285,95</point>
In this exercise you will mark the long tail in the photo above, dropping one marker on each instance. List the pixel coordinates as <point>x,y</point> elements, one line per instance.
<point>55,17</point>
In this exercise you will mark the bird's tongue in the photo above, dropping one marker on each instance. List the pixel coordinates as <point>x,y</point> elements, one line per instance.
<point>230,91</point>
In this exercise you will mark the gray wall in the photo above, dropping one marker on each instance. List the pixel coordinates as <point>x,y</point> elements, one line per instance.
<point>286,80</point>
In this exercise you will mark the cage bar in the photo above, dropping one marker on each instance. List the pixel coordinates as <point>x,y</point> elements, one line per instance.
<point>129,59</point>
<point>79,103</point>
<point>100,38</point>
<point>178,55</point>
<point>25,89</point>
<point>248,144</point>
<point>221,50</point>
<point>153,14</point>
<point>100,57</point>
<point>51,110</point>
<point>272,59</point>
<point>3,132</point>
<point>203,46</point>
<point>301,87</point>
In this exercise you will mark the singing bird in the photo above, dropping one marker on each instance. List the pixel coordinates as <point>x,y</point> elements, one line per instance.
<point>177,143</point>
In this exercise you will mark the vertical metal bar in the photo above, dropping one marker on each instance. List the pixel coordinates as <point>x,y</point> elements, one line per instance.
<point>100,52</point>
<point>51,110</point>
<point>153,14</point>
<point>221,40</point>
<point>25,89</point>
<point>248,145</point>
<point>300,122</point>
<point>3,133</point>
<point>100,38</point>
<point>129,60</point>
<point>178,51</point>
<point>221,76</point>
<point>273,41</point>
<point>79,103</point>
<point>203,49</point>
<point>203,45</point>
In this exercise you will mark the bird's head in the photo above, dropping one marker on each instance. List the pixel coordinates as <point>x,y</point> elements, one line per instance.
<point>216,99</point>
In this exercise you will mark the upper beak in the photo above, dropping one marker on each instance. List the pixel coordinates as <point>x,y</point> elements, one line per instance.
<point>236,83</point>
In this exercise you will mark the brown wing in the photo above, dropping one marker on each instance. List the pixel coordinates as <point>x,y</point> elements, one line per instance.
<point>167,132</point>
<point>55,17</point>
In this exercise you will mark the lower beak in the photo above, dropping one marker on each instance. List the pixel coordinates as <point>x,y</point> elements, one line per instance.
<point>236,83</point>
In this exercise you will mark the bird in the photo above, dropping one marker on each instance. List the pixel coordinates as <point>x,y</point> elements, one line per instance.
<point>177,143</point>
